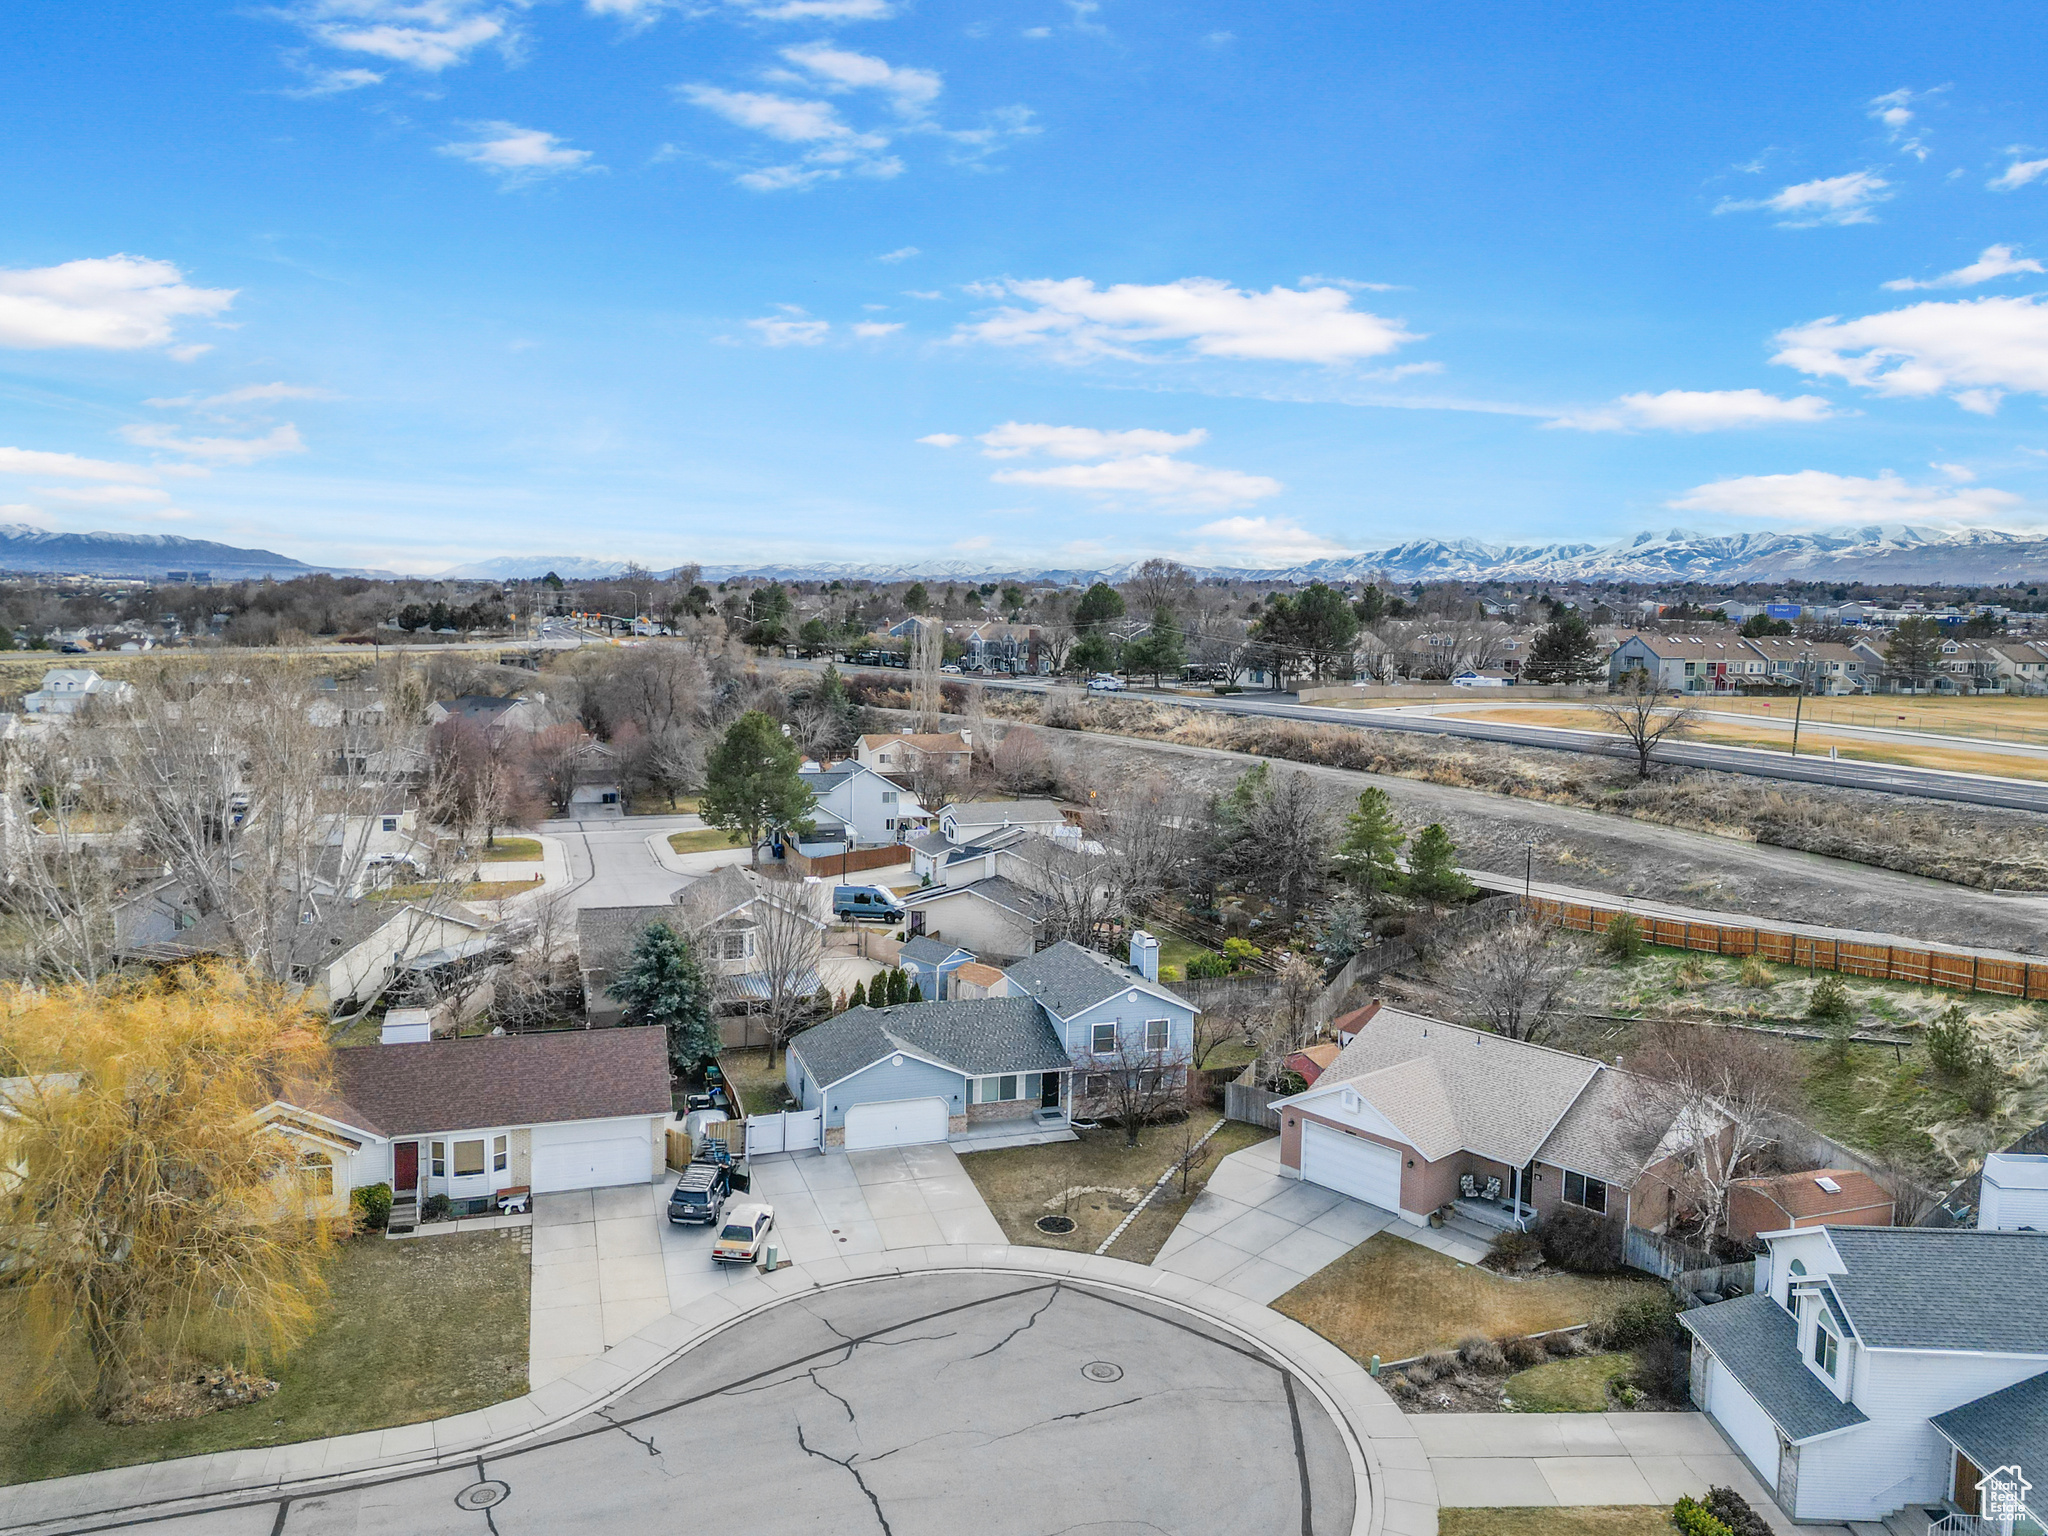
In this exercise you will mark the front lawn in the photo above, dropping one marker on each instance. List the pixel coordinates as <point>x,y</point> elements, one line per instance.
<point>1392,1298</point>
<point>507,850</point>
<point>1569,1520</point>
<point>1095,1182</point>
<point>1568,1386</point>
<point>475,890</point>
<point>709,840</point>
<point>388,1351</point>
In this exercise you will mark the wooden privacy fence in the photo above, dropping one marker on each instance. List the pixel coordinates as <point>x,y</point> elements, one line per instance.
<point>855,861</point>
<point>1957,971</point>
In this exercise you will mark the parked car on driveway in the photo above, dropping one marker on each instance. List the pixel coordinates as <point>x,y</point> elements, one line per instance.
<point>700,1195</point>
<point>746,1228</point>
<point>1104,682</point>
<point>866,901</point>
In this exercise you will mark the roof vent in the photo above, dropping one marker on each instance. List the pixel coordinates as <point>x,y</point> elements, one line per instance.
<point>1827,1184</point>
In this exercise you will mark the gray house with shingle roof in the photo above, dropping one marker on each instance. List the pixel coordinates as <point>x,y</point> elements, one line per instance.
<point>1881,1367</point>
<point>925,1071</point>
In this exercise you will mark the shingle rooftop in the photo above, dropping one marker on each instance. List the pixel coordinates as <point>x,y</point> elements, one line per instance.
<point>929,951</point>
<point>975,1036</point>
<point>1068,979</point>
<point>1507,1095</point>
<point>2007,1428</point>
<point>1945,1288</point>
<point>997,889</point>
<point>1601,1134</point>
<point>1758,1341</point>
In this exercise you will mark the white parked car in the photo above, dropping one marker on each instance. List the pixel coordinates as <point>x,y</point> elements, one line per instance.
<point>1105,682</point>
<point>746,1228</point>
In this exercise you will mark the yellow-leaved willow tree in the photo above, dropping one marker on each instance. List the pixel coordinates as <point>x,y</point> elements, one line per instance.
<point>149,1217</point>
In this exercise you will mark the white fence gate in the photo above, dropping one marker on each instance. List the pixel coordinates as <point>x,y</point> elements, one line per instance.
<point>794,1130</point>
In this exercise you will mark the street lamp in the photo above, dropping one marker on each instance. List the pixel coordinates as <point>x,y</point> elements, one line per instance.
<point>1528,871</point>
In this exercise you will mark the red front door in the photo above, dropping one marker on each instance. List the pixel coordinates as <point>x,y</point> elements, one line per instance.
<point>405,1167</point>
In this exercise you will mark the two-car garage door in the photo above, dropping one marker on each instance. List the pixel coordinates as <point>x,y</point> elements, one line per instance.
<point>1351,1165</point>
<point>1748,1425</point>
<point>895,1123</point>
<point>592,1154</point>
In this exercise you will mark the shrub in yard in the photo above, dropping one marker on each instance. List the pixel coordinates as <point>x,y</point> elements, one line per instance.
<point>1623,938</point>
<point>1582,1242</point>
<point>1434,1366</point>
<point>1514,1250</point>
<point>1755,973</point>
<point>1524,1352</point>
<point>1638,1318</point>
<point>1694,1519</point>
<point>1734,1511</point>
<point>1399,1384</point>
<point>1662,1370</point>
<point>1982,1090</point>
<point>372,1206</point>
<point>1565,1345</point>
<point>1691,973</point>
<point>1828,1008</point>
<point>434,1207</point>
<point>1952,1044</point>
<point>1207,966</point>
<point>1481,1354</point>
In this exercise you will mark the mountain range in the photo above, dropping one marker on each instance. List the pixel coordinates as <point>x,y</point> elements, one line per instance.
<point>25,547</point>
<point>1878,553</point>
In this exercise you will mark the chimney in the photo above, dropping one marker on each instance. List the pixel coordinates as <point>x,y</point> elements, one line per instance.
<point>1144,954</point>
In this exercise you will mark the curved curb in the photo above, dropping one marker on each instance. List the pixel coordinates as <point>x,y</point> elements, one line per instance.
<point>1396,1494</point>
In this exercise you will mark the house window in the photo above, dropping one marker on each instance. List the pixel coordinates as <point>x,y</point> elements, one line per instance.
<point>999,1090</point>
<point>498,1154</point>
<point>1826,1348</point>
<point>888,797</point>
<point>390,823</point>
<point>1102,1039</point>
<point>1097,1085</point>
<point>733,946</point>
<point>469,1158</point>
<point>1582,1191</point>
<point>319,1175</point>
<point>440,1159</point>
<point>1158,1034</point>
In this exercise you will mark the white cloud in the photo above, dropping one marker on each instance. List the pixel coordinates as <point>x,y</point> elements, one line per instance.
<point>1152,476</point>
<point>116,302</point>
<point>1894,110</point>
<point>216,450</point>
<point>428,35</point>
<point>1697,410</point>
<point>1264,541</point>
<point>901,253</point>
<point>792,333</point>
<point>2018,174</point>
<point>1997,261</point>
<point>1319,280</point>
<point>817,10</point>
<point>979,541</point>
<point>333,82</point>
<point>942,439</point>
<point>24,512</point>
<point>1013,439</point>
<point>69,466</point>
<point>912,91</point>
<point>189,351</point>
<point>102,495</point>
<point>918,293</point>
<point>869,330</point>
<point>1830,200</point>
<point>836,148</point>
<point>1814,496</point>
<point>247,394</point>
<point>1077,320</point>
<point>518,156</point>
<point>1971,349</point>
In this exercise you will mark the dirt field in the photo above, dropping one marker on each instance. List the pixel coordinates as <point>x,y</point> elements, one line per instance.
<point>1574,846</point>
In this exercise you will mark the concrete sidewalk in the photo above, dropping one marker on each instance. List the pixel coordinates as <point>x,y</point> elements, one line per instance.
<point>1491,1460</point>
<point>1257,1231</point>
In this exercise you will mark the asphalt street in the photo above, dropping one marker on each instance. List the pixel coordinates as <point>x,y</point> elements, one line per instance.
<point>927,1405</point>
<point>610,864</point>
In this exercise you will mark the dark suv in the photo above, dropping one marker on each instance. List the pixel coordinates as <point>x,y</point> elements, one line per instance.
<point>700,1195</point>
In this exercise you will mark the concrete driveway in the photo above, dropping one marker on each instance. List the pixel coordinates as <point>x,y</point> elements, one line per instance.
<point>1257,1231</point>
<point>611,863</point>
<point>607,1262</point>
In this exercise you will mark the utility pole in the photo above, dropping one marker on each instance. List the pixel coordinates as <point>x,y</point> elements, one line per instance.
<point>1528,872</point>
<point>1799,702</point>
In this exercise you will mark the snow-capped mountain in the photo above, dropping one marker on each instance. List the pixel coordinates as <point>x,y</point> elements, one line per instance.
<point>25,547</point>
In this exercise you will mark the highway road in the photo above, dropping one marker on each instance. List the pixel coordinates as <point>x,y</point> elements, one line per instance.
<point>1841,773</point>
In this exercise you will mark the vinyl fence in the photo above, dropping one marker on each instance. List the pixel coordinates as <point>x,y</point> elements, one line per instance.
<point>1957,970</point>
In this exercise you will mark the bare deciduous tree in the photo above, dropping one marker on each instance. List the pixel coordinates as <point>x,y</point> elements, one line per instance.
<point>1513,978</point>
<point>1637,714</point>
<point>1130,1086</point>
<point>927,656</point>
<point>789,940</point>
<point>1143,825</point>
<point>1709,1101</point>
<point>1075,884</point>
<point>1288,1022</point>
<point>1282,842</point>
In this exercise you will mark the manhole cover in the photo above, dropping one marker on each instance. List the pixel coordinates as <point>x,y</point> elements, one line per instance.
<point>1058,1226</point>
<point>483,1495</point>
<point>1102,1370</point>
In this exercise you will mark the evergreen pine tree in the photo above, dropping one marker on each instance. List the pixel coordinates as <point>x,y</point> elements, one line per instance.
<point>1433,866</point>
<point>1369,854</point>
<point>1565,652</point>
<point>860,996</point>
<point>916,993</point>
<point>665,984</point>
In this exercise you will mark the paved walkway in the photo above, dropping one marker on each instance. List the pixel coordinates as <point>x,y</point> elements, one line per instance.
<point>608,1262</point>
<point>1257,1231</point>
<point>1487,1460</point>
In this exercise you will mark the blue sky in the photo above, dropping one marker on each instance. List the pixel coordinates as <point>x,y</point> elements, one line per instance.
<point>404,283</point>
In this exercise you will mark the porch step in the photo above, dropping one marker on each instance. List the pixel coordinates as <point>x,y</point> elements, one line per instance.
<point>1458,1222</point>
<point>405,1215</point>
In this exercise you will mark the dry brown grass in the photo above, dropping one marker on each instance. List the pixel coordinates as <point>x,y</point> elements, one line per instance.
<point>1569,1520</point>
<point>1022,1184</point>
<point>1391,1298</point>
<point>1955,843</point>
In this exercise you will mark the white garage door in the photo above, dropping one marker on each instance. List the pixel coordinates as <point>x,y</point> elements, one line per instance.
<point>1362,1169</point>
<point>597,1156</point>
<point>1748,1425</point>
<point>895,1123</point>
